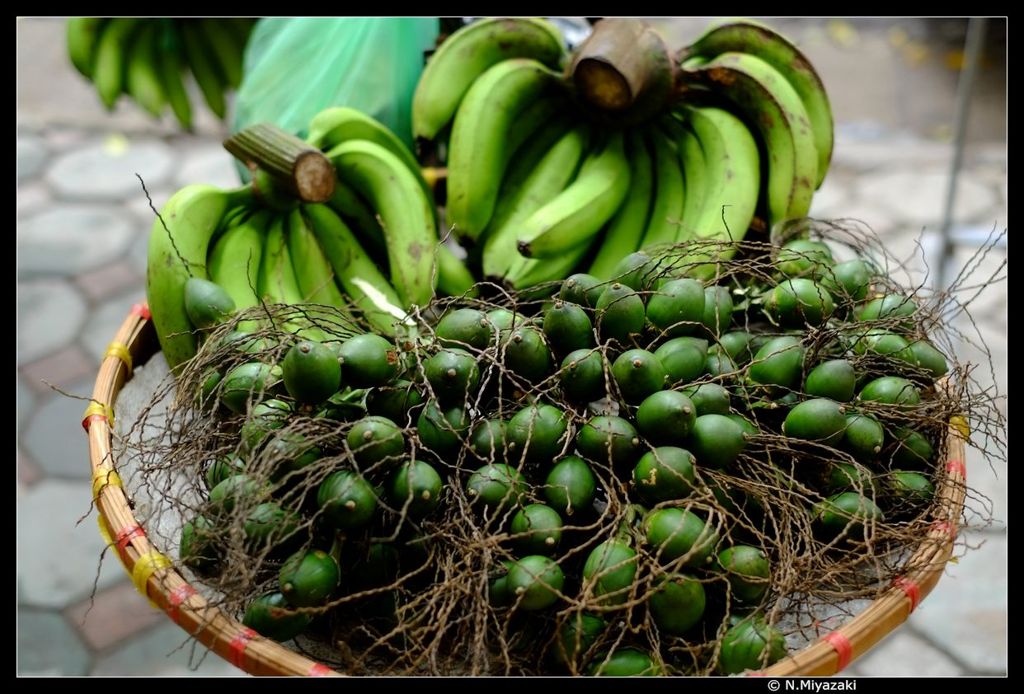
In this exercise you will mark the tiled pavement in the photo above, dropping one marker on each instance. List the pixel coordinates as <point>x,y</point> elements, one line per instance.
<point>82,228</point>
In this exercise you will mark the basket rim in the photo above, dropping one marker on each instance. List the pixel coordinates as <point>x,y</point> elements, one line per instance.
<point>169,591</point>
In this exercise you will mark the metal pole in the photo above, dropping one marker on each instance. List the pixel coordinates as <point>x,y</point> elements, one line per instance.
<point>972,55</point>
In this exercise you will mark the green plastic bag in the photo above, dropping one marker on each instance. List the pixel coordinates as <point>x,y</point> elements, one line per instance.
<point>295,68</point>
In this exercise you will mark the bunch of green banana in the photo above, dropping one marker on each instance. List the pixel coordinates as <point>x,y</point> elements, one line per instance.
<point>379,222</point>
<point>383,193</point>
<point>494,82</point>
<point>146,59</point>
<point>306,257</point>
<point>776,89</point>
<point>539,186</point>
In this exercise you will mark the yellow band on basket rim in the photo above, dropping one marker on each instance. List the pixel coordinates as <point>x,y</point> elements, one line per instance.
<point>145,566</point>
<point>98,409</point>
<point>103,477</point>
<point>119,350</point>
<point>959,422</point>
<point>104,530</point>
<point>105,534</point>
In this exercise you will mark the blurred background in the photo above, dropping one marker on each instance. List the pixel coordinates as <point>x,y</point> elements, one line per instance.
<point>83,223</point>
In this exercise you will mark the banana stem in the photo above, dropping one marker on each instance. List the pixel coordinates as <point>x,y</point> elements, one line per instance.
<point>624,67</point>
<point>293,165</point>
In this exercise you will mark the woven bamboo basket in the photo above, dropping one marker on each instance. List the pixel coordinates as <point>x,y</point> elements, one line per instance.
<point>167,590</point>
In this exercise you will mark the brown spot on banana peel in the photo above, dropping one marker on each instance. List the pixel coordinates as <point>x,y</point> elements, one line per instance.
<point>721,75</point>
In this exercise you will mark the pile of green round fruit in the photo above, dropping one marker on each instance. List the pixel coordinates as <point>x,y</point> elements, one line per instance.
<point>603,472</point>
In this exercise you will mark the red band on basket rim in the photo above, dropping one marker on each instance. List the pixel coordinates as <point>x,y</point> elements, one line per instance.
<point>944,527</point>
<point>175,598</point>
<point>319,670</point>
<point>843,648</point>
<point>756,673</point>
<point>125,535</point>
<point>957,467</point>
<point>141,310</point>
<point>97,410</point>
<point>910,589</point>
<point>236,649</point>
<point>87,422</point>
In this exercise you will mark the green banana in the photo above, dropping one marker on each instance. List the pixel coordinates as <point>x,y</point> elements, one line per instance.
<point>579,212</point>
<point>467,54</point>
<point>733,172</point>
<point>532,119</point>
<point>235,259</point>
<point>545,180</point>
<point>277,281</point>
<point>406,214</point>
<point>626,229</point>
<point>111,51</point>
<point>535,272</point>
<point>769,102</point>
<point>233,217</point>
<point>669,192</point>
<point>358,274</point>
<point>170,69</point>
<point>520,167</point>
<point>312,269</point>
<point>339,124</point>
<point>695,180</point>
<point>453,277</point>
<point>479,147</point>
<point>192,215</point>
<point>361,218</point>
<point>225,50</point>
<point>747,36</point>
<point>142,75</point>
<point>83,35</point>
<point>203,68</point>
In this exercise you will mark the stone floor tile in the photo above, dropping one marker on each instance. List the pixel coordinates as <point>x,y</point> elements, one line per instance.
<point>984,267</point>
<point>50,314</point>
<point>918,196</point>
<point>105,319</point>
<point>57,559</point>
<point>115,614</point>
<point>54,437</point>
<point>28,472</point>
<point>32,156</point>
<point>106,169</point>
<point>69,239</point>
<point>62,139</point>
<point>25,402</point>
<point>966,612</point>
<point>137,253</point>
<point>987,501</point>
<point>138,206</point>
<point>164,651</point>
<point>110,279</point>
<point>211,164</point>
<point>868,216</point>
<point>32,197</point>
<point>884,150</point>
<point>832,199</point>
<point>62,369</point>
<point>901,653</point>
<point>47,645</point>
